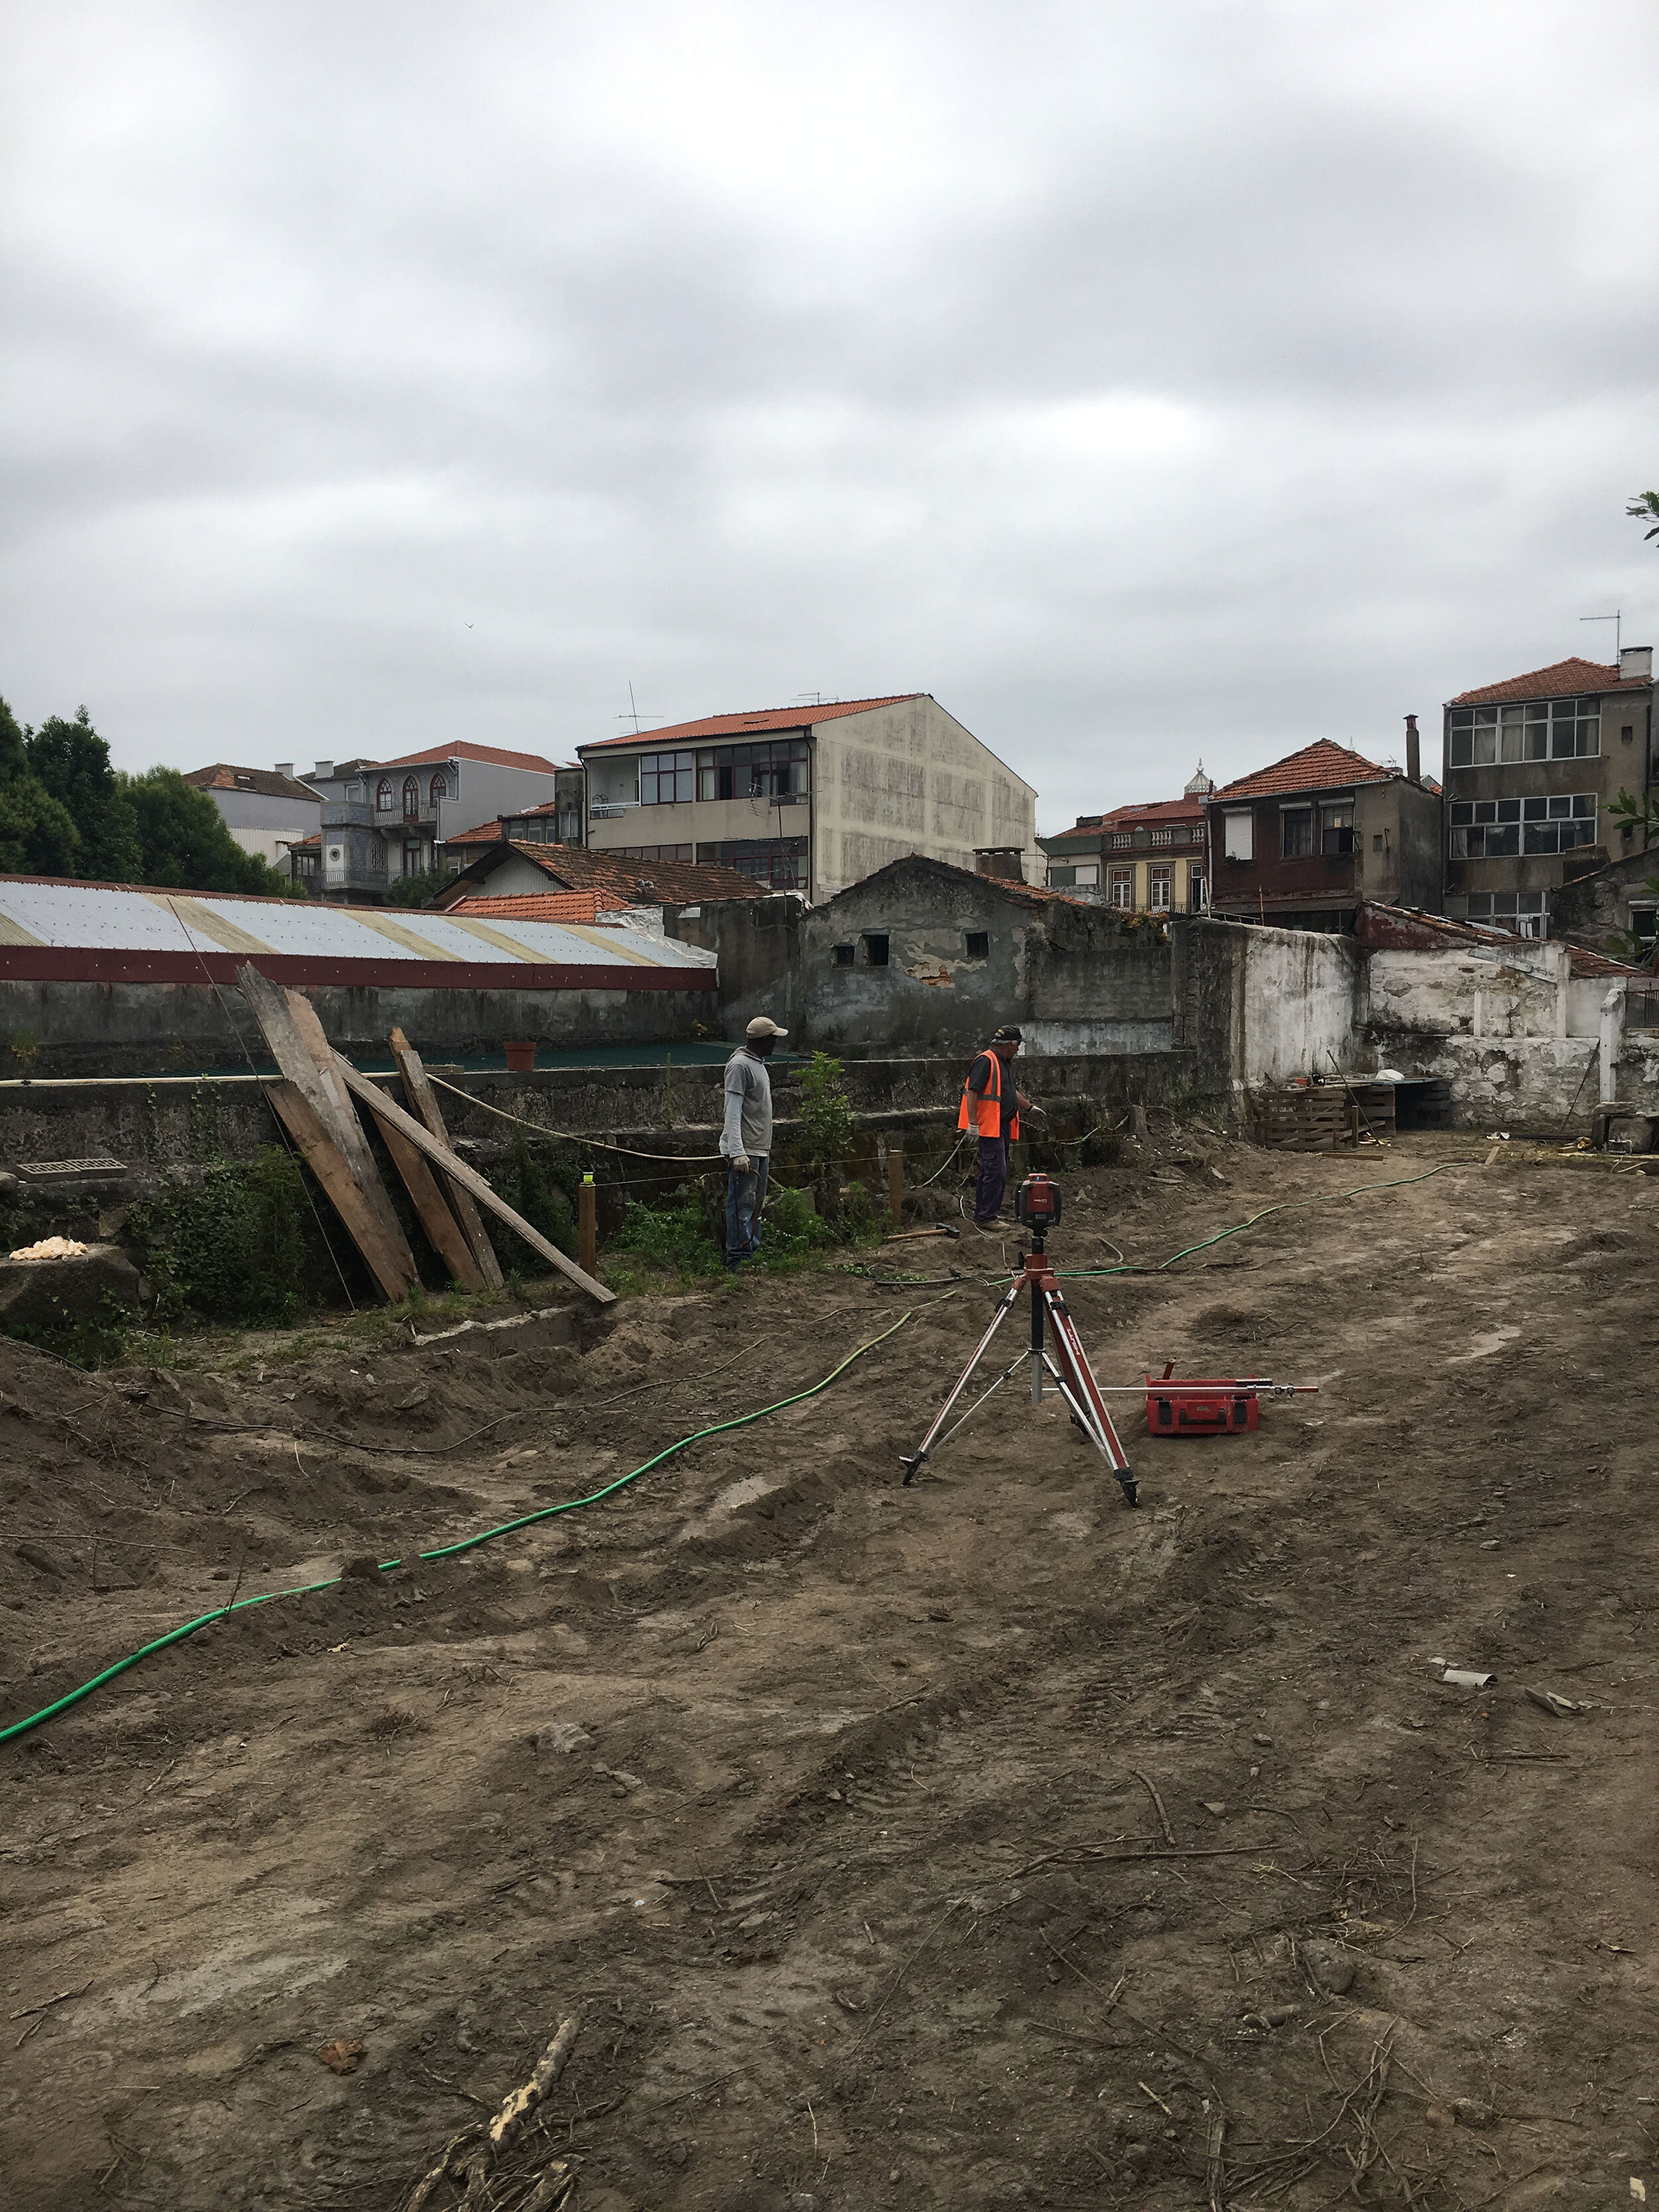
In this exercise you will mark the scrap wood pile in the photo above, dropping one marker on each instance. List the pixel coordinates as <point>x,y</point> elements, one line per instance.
<point>313,1101</point>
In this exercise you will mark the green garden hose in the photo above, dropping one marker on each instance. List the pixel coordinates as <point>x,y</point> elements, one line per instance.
<point>442,1551</point>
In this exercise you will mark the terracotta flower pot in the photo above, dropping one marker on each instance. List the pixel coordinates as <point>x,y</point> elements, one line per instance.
<point>521,1055</point>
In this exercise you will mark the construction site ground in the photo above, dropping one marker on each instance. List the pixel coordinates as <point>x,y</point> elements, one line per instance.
<point>979,1844</point>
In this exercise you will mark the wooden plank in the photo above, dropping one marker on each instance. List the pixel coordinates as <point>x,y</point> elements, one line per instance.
<point>322,1156</point>
<point>288,1022</point>
<point>423,1104</point>
<point>448,1240</point>
<point>387,1112</point>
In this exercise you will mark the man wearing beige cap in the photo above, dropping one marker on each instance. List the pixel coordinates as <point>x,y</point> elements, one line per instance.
<point>746,1138</point>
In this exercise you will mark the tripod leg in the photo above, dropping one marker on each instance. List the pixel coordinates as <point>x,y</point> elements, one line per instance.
<point>913,1464</point>
<point>1076,1378</point>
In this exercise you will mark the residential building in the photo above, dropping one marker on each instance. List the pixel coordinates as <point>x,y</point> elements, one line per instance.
<point>809,798</point>
<point>560,820</point>
<point>1302,844</point>
<point>1148,858</point>
<point>265,810</point>
<point>382,819</point>
<point>1532,766</point>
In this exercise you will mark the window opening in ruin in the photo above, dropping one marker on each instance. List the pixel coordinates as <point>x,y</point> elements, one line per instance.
<point>875,949</point>
<point>979,945</point>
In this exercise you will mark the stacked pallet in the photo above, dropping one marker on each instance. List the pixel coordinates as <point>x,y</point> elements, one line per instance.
<point>1324,1117</point>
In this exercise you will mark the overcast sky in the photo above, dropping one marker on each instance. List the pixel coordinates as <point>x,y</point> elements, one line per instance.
<point>1144,383</point>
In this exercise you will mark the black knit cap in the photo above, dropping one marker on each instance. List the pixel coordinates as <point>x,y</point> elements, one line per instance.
<point>1009,1035</point>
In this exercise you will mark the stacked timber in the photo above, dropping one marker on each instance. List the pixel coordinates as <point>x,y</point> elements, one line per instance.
<point>1324,1117</point>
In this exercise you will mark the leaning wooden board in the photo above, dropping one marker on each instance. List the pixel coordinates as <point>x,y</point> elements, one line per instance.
<point>423,1104</point>
<point>392,1116</point>
<point>318,1149</point>
<point>288,1024</point>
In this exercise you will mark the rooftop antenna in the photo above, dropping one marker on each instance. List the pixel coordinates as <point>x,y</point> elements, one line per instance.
<point>633,713</point>
<point>1615,618</point>
<point>810,698</point>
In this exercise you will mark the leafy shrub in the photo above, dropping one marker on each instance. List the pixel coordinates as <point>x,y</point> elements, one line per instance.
<point>675,1239</point>
<point>826,1114</point>
<point>236,1248</point>
<point>537,1184</point>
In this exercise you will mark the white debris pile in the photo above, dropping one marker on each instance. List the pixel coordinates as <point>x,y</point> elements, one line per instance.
<point>52,1248</point>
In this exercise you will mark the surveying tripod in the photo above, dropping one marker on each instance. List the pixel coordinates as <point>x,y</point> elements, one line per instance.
<point>1037,1206</point>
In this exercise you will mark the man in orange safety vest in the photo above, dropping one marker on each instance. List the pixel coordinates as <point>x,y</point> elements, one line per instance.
<point>990,1104</point>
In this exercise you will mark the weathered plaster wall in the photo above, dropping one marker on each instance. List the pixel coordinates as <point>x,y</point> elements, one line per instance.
<point>910,778</point>
<point>758,943</point>
<point>115,1028</point>
<point>1080,977</point>
<point>1263,1004</point>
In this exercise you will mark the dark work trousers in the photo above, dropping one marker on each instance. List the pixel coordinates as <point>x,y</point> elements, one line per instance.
<point>993,1178</point>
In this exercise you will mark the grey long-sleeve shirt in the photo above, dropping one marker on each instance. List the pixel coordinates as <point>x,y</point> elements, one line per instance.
<point>748,1125</point>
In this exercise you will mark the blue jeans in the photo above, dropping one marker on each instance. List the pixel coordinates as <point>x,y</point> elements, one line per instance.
<point>745,1194</point>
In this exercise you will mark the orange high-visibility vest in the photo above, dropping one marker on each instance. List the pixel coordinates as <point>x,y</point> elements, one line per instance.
<point>985,1115</point>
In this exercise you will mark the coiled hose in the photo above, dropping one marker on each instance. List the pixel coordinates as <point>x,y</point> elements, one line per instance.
<point>443,1551</point>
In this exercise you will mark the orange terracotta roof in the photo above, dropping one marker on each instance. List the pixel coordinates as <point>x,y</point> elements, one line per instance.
<point>1318,767</point>
<point>487,833</point>
<point>617,880</point>
<point>466,750</point>
<point>537,906</point>
<point>1155,814</point>
<point>1564,679</point>
<point>263,781</point>
<point>757,724</point>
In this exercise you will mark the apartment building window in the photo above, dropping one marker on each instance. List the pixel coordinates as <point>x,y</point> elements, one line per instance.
<point>667,779</point>
<point>440,789</point>
<point>776,770</point>
<point>1158,889</point>
<point>1123,888</point>
<point>1296,832</point>
<point>413,863</point>
<point>1338,829</point>
<point>1196,890</point>
<point>1546,729</point>
<point>411,798</point>
<point>1503,829</point>
<point>1240,836</point>
<point>654,852</point>
<point>382,795</point>
<point>779,861</point>
<point>1086,875</point>
<point>1527,913</point>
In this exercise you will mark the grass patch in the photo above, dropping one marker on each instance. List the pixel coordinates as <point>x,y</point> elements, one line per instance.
<point>680,1245</point>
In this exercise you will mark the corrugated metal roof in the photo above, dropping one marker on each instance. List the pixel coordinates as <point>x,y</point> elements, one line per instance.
<point>120,918</point>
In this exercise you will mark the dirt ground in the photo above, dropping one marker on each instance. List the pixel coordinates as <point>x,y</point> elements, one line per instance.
<point>980,1843</point>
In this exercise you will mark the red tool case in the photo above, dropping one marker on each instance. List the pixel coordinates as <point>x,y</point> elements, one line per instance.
<point>1220,1407</point>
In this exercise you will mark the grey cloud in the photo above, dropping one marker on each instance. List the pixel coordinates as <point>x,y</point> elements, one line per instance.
<point>1143,386</point>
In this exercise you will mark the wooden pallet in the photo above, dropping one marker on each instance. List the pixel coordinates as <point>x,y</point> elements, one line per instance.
<point>1324,1117</point>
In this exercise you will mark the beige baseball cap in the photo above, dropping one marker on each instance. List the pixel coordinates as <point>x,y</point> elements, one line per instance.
<point>763,1025</point>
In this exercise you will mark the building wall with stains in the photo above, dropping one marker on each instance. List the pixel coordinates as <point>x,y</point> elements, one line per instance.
<point>921,957</point>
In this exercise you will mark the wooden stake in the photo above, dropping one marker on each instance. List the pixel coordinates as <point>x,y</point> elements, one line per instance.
<point>389,1115</point>
<point>587,1224</point>
<point>423,1104</point>
<point>895,1183</point>
<point>322,1156</point>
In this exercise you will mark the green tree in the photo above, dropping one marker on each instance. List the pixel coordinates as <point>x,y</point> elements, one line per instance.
<point>183,841</point>
<point>1646,508</point>
<point>416,890</point>
<point>36,837</point>
<point>72,761</point>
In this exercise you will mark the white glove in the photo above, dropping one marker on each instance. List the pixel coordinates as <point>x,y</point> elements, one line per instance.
<point>740,1162</point>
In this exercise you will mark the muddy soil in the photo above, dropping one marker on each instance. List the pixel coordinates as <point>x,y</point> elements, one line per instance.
<point>979,1844</point>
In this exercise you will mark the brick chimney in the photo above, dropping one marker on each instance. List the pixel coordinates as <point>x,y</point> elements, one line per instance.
<point>1413,752</point>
